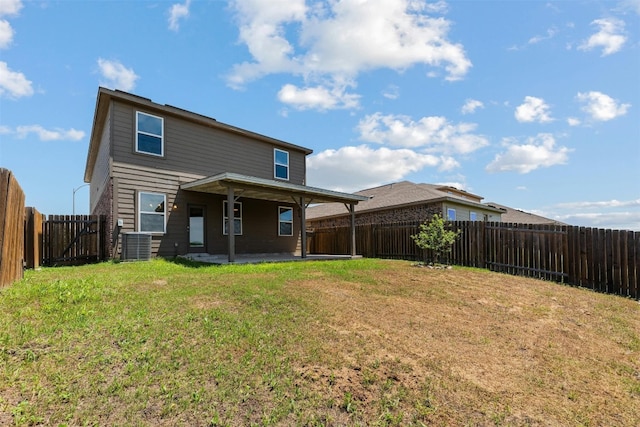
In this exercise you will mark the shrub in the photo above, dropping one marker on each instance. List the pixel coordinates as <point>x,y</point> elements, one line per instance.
<point>434,236</point>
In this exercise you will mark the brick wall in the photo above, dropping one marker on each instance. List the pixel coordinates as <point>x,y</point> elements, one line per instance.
<point>407,213</point>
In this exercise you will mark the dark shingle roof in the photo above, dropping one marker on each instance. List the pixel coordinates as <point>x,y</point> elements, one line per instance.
<point>521,217</point>
<point>393,195</point>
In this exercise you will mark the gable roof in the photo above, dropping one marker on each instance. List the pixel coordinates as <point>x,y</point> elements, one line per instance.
<point>103,102</point>
<point>399,194</point>
<point>521,217</point>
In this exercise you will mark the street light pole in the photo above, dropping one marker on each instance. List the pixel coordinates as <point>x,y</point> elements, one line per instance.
<point>74,196</point>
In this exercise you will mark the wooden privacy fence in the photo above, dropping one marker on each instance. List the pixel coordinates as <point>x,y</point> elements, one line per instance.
<point>74,239</point>
<point>11,228</point>
<point>603,260</point>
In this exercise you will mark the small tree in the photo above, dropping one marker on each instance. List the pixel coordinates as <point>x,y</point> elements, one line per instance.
<point>434,236</point>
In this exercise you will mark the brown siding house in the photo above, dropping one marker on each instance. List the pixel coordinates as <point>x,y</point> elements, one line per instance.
<point>179,176</point>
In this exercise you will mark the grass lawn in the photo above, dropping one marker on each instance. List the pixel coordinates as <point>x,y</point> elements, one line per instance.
<point>362,342</point>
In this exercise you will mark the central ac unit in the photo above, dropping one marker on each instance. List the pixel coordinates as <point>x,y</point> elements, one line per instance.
<point>136,247</point>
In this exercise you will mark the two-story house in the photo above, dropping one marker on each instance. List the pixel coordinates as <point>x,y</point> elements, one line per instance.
<point>195,184</point>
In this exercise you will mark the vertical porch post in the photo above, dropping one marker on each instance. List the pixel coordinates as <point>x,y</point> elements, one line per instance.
<point>231,225</point>
<point>352,209</point>
<point>303,227</point>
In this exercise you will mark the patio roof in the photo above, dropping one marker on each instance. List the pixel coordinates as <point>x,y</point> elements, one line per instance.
<point>268,189</point>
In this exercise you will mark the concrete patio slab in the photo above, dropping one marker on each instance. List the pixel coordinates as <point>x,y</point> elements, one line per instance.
<point>222,259</point>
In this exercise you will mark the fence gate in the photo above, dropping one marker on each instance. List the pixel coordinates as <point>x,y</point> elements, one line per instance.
<point>73,240</point>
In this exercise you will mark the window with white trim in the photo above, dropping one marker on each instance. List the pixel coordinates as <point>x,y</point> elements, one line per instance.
<point>451,214</point>
<point>285,221</point>
<point>237,218</point>
<point>280,164</point>
<point>473,216</point>
<point>151,212</point>
<point>149,134</point>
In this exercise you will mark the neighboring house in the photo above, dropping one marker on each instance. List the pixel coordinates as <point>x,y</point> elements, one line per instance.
<point>179,176</point>
<point>518,216</point>
<point>405,201</point>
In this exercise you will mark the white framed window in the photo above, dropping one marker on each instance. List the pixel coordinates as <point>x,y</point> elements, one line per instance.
<point>451,214</point>
<point>237,218</point>
<point>152,212</point>
<point>285,221</point>
<point>149,134</point>
<point>473,216</point>
<point>280,164</point>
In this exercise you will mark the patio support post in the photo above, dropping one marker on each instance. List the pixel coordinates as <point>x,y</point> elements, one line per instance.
<point>303,228</point>
<point>352,209</point>
<point>231,230</point>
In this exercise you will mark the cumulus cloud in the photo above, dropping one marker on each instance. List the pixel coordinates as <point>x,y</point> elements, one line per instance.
<point>8,8</point>
<point>537,152</point>
<point>333,42</point>
<point>352,168</point>
<point>573,121</point>
<point>43,134</point>
<point>610,36</point>
<point>433,134</point>
<point>533,110</point>
<point>117,76</point>
<point>601,107</point>
<point>178,12</point>
<point>318,98</point>
<point>471,105</point>
<point>13,84</point>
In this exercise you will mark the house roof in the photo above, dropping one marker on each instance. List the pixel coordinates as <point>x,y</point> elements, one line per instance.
<point>399,194</point>
<point>268,189</point>
<point>521,217</point>
<point>103,101</point>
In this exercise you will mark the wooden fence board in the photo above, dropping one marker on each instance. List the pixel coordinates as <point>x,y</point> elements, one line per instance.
<point>12,200</point>
<point>598,259</point>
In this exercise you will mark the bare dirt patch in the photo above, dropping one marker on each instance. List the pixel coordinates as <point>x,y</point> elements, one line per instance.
<point>470,346</point>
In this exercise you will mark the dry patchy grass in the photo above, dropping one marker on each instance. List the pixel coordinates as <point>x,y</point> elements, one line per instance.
<point>366,342</point>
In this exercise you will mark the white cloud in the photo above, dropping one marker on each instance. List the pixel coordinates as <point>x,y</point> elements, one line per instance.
<point>6,34</point>
<point>601,107</point>
<point>177,12</point>
<point>13,84</point>
<point>318,98</point>
<point>471,105</point>
<point>353,168</point>
<point>47,134</point>
<point>551,32</point>
<point>609,37</point>
<point>10,7</point>
<point>7,8</point>
<point>335,41</point>
<point>392,92</point>
<point>533,110</point>
<point>537,152</point>
<point>633,5</point>
<point>116,75</point>
<point>573,121</point>
<point>434,134</point>
<point>601,204</point>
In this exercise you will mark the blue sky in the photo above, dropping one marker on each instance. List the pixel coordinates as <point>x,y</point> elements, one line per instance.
<point>531,104</point>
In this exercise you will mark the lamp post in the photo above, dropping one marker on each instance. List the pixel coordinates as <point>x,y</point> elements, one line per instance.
<point>74,196</point>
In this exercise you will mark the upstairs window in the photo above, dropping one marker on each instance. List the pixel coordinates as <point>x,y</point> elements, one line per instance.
<point>149,134</point>
<point>285,221</point>
<point>151,212</point>
<point>237,218</point>
<point>281,164</point>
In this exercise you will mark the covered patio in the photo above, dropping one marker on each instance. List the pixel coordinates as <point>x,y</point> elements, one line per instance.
<point>235,186</point>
